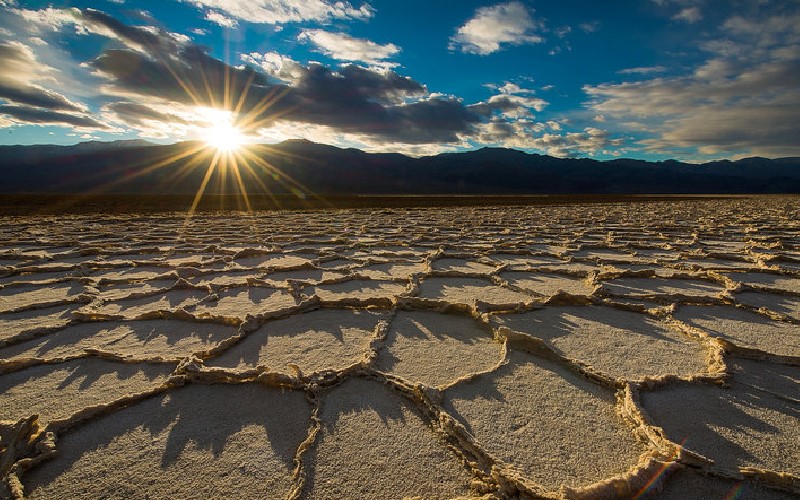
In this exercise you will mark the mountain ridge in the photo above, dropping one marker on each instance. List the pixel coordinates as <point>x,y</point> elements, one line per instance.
<point>306,167</point>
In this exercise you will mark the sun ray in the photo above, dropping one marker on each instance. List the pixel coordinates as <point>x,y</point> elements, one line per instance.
<point>238,176</point>
<point>199,195</point>
<point>292,184</point>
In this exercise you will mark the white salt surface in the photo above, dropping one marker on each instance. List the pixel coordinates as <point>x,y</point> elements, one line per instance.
<point>622,344</point>
<point>333,354</point>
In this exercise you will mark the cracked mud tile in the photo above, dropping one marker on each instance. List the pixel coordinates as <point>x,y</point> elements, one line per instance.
<point>130,273</point>
<point>605,255</point>
<point>24,296</point>
<point>149,339</point>
<point>461,265</point>
<point>782,304</point>
<point>525,261</point>
<point>61,390</point>
<point>40,278</point>
<point>238,302</point>
<point>274,260</point>
<point>34,320</point>
<point>546,284</point>
<point>576,267</point>
<point>743,328</point>
<point>374,444</point>
<point>625,345</point>
<point>358,290</point>
<point>707,263</point>
<point>767,280</point>
<point>316,341</point>
<point>743,425</point>
<point>196,442</point>
<point>391,270</point>
<point>133,308</point>
<point>310,276</point>
<point>469,290</point>
<point>109,293</point>
<point>638,287</point>
<point>122,259</point>
<point>225,279</point>
<point>554,426</point>
<point>436,349</point>
<point>685,484</point>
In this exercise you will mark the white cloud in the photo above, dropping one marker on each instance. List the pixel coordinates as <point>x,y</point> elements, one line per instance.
<point>689,15</point>
<point>347,48</point>
<point>282,67</point>
<point>513,88</point>
<point>644,70</point>
<point>284,11</point>
<point>492,27</point>
<point>221,19</point>
<point>50,18</point>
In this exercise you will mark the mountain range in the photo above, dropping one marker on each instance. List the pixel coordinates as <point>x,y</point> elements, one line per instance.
<point>303,168</point>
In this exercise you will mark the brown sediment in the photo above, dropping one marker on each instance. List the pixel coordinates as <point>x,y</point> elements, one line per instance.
<point>525,352</point>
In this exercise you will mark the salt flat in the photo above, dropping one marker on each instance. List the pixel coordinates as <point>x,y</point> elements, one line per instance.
<point>463,352</point>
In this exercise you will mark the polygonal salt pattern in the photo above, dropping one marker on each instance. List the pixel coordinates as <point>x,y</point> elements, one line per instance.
<point>436,353</point>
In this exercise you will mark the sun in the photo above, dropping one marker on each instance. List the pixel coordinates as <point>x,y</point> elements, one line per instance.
<point>224,136</point>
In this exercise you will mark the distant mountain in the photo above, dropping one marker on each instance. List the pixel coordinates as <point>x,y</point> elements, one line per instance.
<point>35,154</point>
<point>306,168</point>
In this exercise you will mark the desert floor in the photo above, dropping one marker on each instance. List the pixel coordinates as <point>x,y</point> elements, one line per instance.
<point>630,350</point>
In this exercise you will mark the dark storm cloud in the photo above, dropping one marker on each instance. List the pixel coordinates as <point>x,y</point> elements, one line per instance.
<point>49,117</point>
<point>350,99</point>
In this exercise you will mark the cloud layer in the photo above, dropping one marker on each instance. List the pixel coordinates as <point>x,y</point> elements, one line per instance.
<point>284,11</point>
<point>745,97</point>
<point>347,48</point>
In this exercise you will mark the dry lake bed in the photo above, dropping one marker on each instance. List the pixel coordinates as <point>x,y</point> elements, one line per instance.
<point>608,350</point>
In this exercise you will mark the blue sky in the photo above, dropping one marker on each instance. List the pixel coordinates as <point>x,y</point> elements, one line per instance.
<point>652,79</point>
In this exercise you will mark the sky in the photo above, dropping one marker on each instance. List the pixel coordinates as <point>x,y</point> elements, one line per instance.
<point>693,80</point>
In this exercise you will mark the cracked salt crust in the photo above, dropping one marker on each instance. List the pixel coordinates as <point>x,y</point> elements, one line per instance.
<point>171,300</point>
<point>546,284</point>
<point>461,265</point>
<point>688,485</point>
<point>316,341</point>
<point>237,302</point>
<point>782,304</point>
<point>61,390</point>
<point>634,287</point>
<point>743,425</point>
<point>365,338</point>
<point>766,280</point>
<point>197,442</point>
<point>374,444</point>
<point>622,344</point>
<point>743,328</point>
<point>359,290</point>
<point>468,291</point>
<point>19,297</point>
<point>34,320</point>
<point>150,339</point>
<point>539,417</point>
<point>436,349</point>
